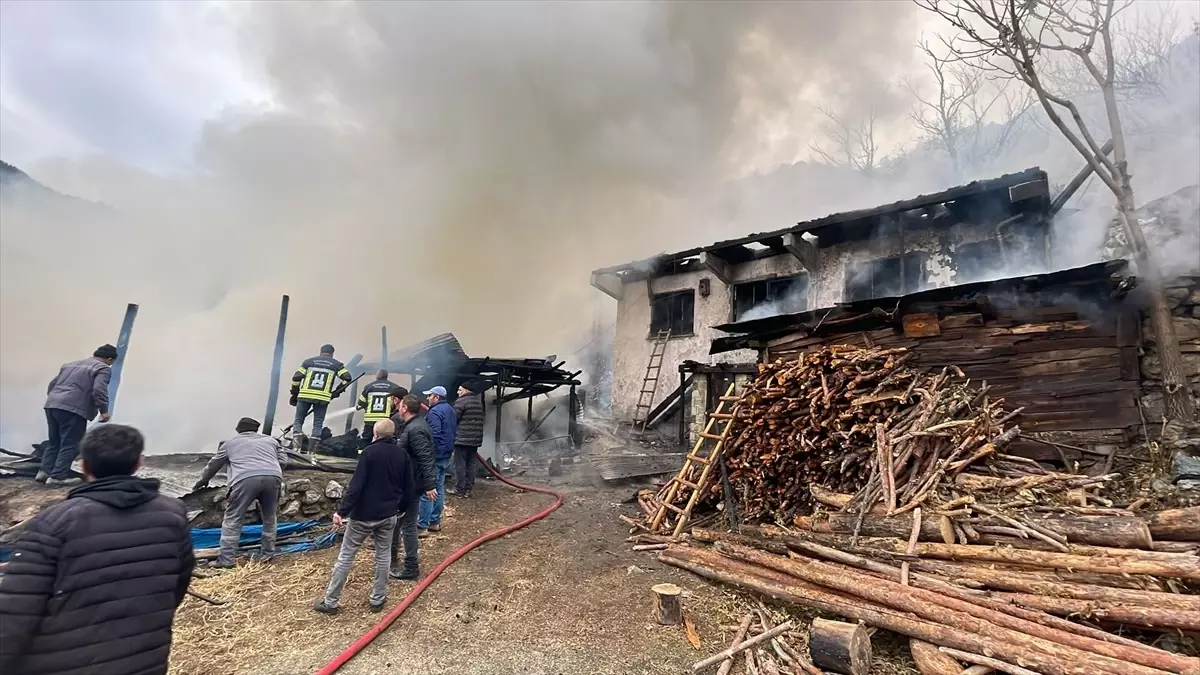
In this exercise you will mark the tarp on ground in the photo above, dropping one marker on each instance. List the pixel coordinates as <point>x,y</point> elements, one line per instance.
<point>209,537</point>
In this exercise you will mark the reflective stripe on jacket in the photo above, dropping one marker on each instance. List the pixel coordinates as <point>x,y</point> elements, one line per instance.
<point>316,378</point>
<point>376,401</point>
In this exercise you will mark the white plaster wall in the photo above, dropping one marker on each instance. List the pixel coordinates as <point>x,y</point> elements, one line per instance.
<point>632,342</point>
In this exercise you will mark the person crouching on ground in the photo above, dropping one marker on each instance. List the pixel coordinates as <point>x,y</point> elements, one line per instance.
<point>381,484</point>
<point>443,423</point>
<point>468,436</point>
<point>256,464</point>
<point>94,581</point>
<point>415,440</point>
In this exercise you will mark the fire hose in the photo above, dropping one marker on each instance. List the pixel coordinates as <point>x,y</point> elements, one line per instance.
<point>412,596</point>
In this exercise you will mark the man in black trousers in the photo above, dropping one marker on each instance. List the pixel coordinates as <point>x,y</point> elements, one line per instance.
<point>76,395</point>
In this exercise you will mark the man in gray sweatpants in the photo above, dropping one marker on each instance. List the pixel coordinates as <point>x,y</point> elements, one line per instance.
<point>255,474</point>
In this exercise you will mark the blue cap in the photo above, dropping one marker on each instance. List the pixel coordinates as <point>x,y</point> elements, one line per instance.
<point>439,390</point>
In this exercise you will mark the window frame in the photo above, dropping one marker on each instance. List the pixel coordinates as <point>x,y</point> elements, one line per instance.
<point>767,283</point>
<point>671,320</point>
<point>905,260</point>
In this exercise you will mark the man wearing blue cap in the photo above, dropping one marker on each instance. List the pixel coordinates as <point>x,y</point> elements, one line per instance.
<point>443,423</point>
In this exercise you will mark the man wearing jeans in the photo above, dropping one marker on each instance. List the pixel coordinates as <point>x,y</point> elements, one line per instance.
<point>255,474</point>
<point>75,395</point>
<point>381,484</point>
<point>413,438</point>
<point>443,422</point>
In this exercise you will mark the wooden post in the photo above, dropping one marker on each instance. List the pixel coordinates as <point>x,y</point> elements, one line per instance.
<point>131,311</point>
<point>668,605</point>
<point>841,647</point>
<point>573,420</point>
<point>276,369</point>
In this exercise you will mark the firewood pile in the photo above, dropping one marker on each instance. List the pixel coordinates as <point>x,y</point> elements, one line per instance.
<point>856,420</point>
<point>1046,611</point>
<point>893,503</point>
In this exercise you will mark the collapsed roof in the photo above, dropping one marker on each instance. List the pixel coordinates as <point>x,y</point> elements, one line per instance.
<point>440,360</point>
<point>1027,191</point>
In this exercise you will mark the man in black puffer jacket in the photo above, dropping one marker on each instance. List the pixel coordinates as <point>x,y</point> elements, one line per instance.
<point>414,437</point>
<point>94,581</point>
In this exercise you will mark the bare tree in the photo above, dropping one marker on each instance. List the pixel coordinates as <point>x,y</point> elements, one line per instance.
<point>1016,39</point>
<point>852,145</point>
<point>968,116</point>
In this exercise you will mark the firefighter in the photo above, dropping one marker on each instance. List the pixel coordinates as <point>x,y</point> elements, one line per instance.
<point>313,388</point>
<point>376,403</point>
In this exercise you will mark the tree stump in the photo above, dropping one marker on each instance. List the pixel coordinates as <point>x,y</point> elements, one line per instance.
<point>668,605</point>
<point>841,647</point>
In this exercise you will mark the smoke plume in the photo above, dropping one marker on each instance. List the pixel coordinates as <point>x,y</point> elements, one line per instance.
<point>432,167</point>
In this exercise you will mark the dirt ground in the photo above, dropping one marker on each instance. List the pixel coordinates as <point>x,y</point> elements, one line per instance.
<point>564,596</point>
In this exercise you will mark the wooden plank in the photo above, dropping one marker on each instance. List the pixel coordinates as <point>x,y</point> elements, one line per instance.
<point>615,467</point>
<point>1044,345</point>
<point>1129,328</point>
<point>1050,327</point>
<point>920,325</point>
<point>1079,420</point>
<point>1130,364</point>
<point>961,321</point>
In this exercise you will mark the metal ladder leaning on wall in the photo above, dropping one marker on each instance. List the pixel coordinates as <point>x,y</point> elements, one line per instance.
<point>641,412</point>
<point>687,479</point>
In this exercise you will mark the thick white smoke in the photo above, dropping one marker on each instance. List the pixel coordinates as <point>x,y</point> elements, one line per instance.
<point>432,167</point>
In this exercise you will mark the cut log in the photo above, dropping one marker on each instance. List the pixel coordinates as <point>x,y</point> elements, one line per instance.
<point>776,542</point>
<point>841,647</point>
<point>1176,524</point>
<point>1023,581</point>
<point>1142,653</point>
<point>931,661</point>
<point>1149,617</point>
<point>942,607</point>
<point>668,608</point>
<point>1114,531</point>
<point>788,589</point>
<point>987,662</point>
<point>1179,565</point>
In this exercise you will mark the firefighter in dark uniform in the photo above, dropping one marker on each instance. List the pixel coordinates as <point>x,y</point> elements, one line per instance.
<point>376,403</point>
<point>313,388</point>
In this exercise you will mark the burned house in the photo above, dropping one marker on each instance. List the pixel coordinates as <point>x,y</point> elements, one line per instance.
<point>983,230</point>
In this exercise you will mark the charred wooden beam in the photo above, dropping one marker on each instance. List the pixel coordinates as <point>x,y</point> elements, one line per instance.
<point>804,251</point>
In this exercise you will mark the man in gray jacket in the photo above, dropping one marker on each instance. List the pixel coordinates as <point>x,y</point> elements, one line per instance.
<point>255,474</point>
<point>75,396</point>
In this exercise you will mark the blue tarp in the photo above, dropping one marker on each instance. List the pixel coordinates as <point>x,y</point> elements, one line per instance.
<point>209,537</point>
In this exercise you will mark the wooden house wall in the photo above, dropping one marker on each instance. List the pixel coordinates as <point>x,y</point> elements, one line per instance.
<point>1076,377</point>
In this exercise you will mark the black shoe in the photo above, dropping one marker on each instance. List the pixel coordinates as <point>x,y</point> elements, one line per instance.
<point>406,574</point>
<point>376,608</point>
<point>218,565</point>
<point>324,608</point>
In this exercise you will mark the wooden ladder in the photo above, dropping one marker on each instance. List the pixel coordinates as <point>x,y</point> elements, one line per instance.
<point>686,478</point>
<point>641,412</point>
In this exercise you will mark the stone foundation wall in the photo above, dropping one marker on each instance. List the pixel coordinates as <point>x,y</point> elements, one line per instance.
<point>314,495</point>
<point>698,408</point>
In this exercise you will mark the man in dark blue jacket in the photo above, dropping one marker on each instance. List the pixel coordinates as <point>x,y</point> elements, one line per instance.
<point>381,484</point>
<point>94,580</point>
<point>443,423</point>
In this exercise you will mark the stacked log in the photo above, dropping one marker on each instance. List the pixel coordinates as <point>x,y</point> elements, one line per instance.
<point>952,605</point>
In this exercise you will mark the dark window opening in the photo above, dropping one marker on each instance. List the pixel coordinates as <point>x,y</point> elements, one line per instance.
<point>885,277</point>
<point>673,312</point>
<point>771,296</point>
<point>979,261</point>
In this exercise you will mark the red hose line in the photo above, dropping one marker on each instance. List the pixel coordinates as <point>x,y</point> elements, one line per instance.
<point>412,596</point>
